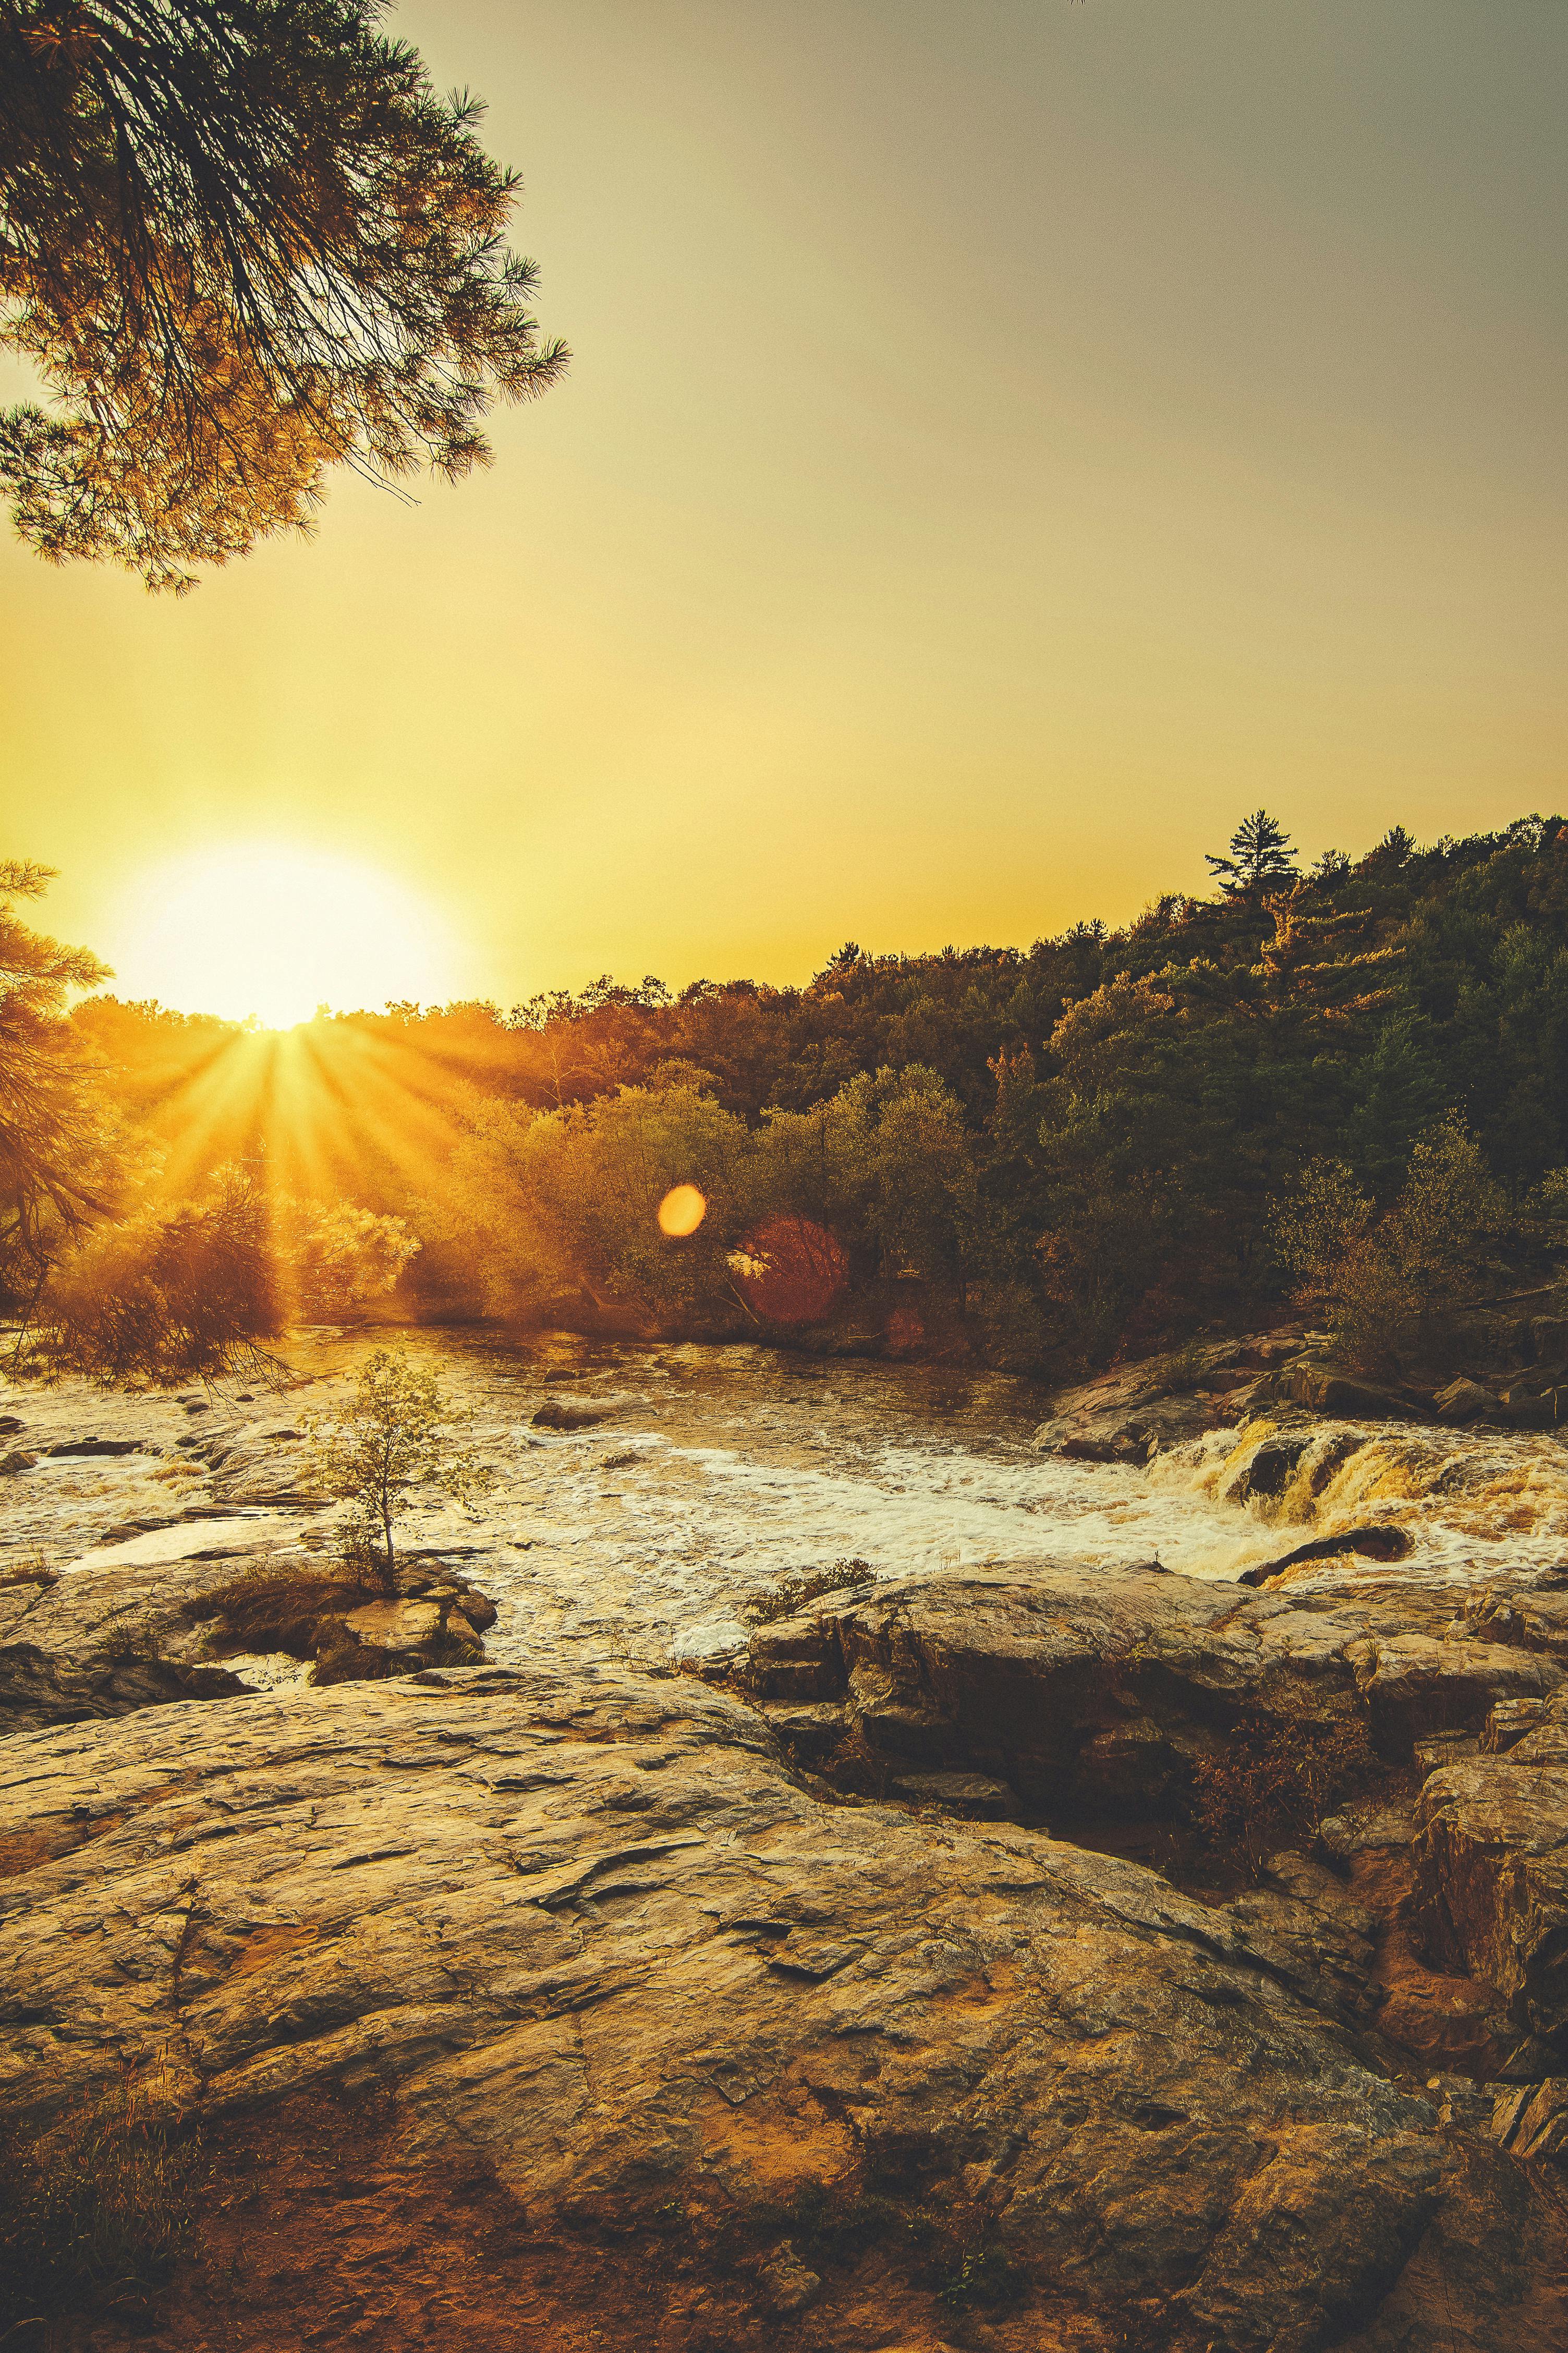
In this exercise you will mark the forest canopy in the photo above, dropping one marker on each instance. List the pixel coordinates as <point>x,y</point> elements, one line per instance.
<point>1346,1085</point>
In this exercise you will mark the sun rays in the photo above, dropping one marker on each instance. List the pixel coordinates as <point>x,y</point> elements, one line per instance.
<point>328,1109</point>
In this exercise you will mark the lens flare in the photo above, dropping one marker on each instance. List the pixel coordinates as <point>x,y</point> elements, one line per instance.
<point>681,1211</point>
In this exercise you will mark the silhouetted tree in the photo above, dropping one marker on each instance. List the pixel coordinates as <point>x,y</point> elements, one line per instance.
<point>241,240</point>
<point>1261,855</point>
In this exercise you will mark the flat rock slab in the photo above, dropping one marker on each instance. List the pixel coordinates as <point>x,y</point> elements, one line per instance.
<point>597,1953</point>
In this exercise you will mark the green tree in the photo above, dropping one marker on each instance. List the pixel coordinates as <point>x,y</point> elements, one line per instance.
<point>884,1164</point>
<point>54,1142</point>
<point>397,1434</point>
<point>1260,858</point>
<point>1449,1215</point>
<point>240,241</point>
<point>1386,1282</point>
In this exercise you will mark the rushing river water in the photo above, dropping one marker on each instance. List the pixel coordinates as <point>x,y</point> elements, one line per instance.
<point>723,1468</point>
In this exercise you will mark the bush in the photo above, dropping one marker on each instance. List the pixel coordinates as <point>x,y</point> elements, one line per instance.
<point>337,1259</point>
<point>104,2198</point>
<point>1271,1782</point>
<point>984,2276</point>
<point>799,1586</point>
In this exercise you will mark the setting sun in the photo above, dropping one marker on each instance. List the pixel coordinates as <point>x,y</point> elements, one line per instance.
<point>262,928</point>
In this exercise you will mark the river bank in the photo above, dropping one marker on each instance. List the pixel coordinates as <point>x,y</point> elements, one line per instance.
<point>665,1965</point>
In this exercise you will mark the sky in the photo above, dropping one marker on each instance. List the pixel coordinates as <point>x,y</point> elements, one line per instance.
<point>1004,445</point>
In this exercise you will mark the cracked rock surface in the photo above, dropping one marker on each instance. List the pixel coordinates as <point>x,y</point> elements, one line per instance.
<point>1092,1689</point>
<point>719,2064</point>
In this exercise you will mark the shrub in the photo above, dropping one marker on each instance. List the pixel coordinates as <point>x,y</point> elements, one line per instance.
<point>1269,1782</point>
<point>33,1570</point>
<point>799,1586</point>
<point>982,2275</point>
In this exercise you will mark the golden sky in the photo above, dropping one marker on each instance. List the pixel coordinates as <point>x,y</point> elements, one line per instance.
<point>1006,442</point>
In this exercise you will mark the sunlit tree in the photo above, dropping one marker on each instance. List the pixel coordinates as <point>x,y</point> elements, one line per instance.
<point>396,1435</point>
<point>172,1290</point>
<point>240,241</point>
<point>53,1133</point>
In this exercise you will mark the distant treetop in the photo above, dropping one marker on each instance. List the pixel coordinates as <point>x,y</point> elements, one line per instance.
<point>1260,854</point>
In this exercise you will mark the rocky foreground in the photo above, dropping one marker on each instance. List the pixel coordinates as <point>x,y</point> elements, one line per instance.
<point>826,2004</point>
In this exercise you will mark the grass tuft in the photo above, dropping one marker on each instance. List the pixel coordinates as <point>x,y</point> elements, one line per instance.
<point>104,2200</point>
<point>798,1587</point>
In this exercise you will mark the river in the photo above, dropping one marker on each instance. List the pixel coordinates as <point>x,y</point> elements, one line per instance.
<point>723,1468</point>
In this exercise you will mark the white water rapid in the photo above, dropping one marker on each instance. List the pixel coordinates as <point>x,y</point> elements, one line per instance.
<point>724,1468</point>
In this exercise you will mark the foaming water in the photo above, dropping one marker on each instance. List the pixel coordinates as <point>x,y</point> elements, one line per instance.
<point>1469,1504</point>
<point>720,1468</point>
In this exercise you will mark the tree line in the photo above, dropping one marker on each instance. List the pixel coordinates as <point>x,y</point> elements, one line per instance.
<point>1096,1144</point>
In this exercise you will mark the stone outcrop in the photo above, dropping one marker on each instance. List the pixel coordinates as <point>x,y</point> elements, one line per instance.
<point>1332,1390</point>
<point>1128,1415</point>
<point>1491,1877</point>
<point>1132,1412</point>
<point>105,1642</point>
<point>677,2054</point>
<point>1089,1692</point>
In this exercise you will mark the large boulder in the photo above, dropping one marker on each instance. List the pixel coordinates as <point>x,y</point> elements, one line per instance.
<point>1328,1390</point>
<point>1089,1690</point>
<point>1491,1877</point>
<point>553,2010</point>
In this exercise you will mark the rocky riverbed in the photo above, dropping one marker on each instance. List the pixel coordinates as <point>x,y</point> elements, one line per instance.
<point>761,1881</point>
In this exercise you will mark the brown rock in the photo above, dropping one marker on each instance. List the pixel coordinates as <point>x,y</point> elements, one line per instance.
<point>583,1948</point>
<point>1491,1876</point>
<point>1414,1682</point>
<point>1464,1401</point>
<point>1089,1690</point>
<point>1533,2120</point>
<point>103,1641</point>
<point>1329,1391</point>
<point>583,1412</point>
